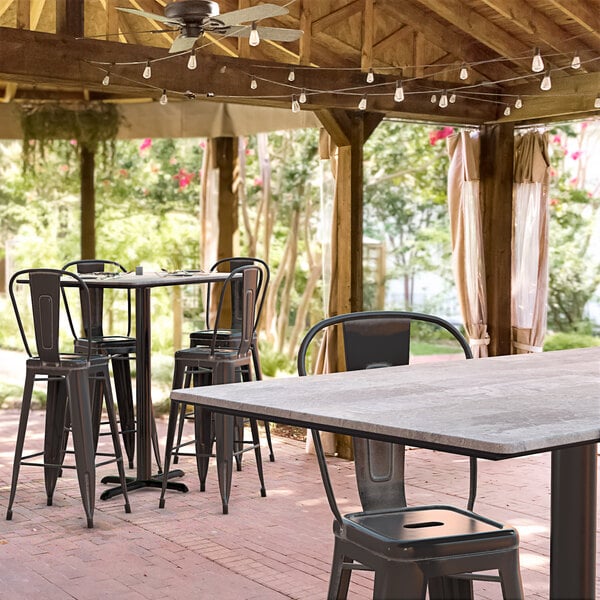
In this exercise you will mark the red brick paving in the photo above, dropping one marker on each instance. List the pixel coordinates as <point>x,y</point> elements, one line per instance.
<point>265,549</point>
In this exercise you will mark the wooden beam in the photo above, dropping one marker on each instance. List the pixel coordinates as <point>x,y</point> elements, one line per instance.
<point>585,12</point>
<point>306,26</point>
<point>368,27</point>
<point>37,6</point>
<point>69,18</point>
<point>5,5</point>
<point>23,14</point>
<point>337,16</point>
<point>496,172</point>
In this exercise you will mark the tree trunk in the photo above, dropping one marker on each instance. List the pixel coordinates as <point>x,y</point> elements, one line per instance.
<point>88,203</point>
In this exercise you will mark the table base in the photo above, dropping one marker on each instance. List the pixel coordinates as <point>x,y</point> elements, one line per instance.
<point>136,484</point>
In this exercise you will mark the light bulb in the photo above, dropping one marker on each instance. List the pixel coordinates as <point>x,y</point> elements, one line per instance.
<point>507,111</point>
<point>295,105</point>
<point>433,99</point>
<point>254,39</point>
<point>537,64</point>
<point>163,99</point>
<point>370,76</point>
<point>362,105</point>
<point>399,93</point>
<point>302,97</point>
<point>576,62</point>
<point>597,101</point>
<point>519,102</point>
<point>443,100</point>
<point>253,84</point>
<point>452,98</point>
<point>546,82</point>
<point>464,72</point>
<point>106,80</point>
<point>292,75</point>
<point>192,61</point>
<point>147,71</point>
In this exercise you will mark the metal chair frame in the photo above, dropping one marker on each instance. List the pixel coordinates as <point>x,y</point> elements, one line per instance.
<point>410,549</point>
<point>70,379</point>
<point>215,365</point>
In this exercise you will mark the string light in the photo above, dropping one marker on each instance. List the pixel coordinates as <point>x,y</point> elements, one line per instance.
<point>452,98</point>
<point>433,99</point>
<point>164,99</point>
<point>399,92</point>
<point>537,64</point>
<point>254,39</point>
<point>295,105</point>
<point>106,80</point>
<point>443,100</point>
<point>507,111</point>
<point>302,97</point>
<point>192,62</point>
<point>597,101</point>
<point>464,72</point>
<point>546,82</point>
<point>253,83</point>
<point>292,75</point>
<point>576,62</point>
<point>147,71</point>
<point>370,76</point>
<point>190,95</point>
<point>362,105</point>
<point>519,102</point>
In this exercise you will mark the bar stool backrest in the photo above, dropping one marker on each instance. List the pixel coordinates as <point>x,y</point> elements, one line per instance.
<point>98,265</point>
<point>46,295</point>
<point>373,340</point>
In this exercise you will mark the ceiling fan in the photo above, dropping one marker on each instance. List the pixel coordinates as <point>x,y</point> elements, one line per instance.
<point>195,17</point>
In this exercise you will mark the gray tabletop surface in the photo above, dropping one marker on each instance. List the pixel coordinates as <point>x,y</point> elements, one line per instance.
<point>494,407</point>
<point>152,279</point>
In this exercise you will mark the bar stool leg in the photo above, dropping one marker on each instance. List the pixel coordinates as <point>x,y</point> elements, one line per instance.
<point>55,436</point>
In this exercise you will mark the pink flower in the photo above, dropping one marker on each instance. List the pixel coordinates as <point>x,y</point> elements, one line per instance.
<point>147,143</point>
<point>557,139</point>
<point>123,172</point>
<point>440,134</point>
<point>184,178</point>
<point>576,155</point>
<point>553,173</point>
<point>554,202</point>
<point>258,181</point>
<point>73,142</point>
<point>202,144</point>
<point>573,181</point>
<point>249,152</point>
<point>63,168</point>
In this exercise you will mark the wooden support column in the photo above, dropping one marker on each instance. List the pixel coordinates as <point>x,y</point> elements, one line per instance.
<point>224,159</point>
<point>497,156</point>
<point>88,203</point>
<point>69,18</point>
<point>349,130</point>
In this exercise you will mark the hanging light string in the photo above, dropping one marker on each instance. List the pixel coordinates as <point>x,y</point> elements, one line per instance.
<point>371,89</point>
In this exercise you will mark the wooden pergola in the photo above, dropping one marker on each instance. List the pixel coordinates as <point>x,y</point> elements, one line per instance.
<point>460,62</point>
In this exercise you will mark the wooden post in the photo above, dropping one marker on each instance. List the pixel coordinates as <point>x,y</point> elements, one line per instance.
<point>88,203</point>
<point>497,156</point>
<point>225,156</point>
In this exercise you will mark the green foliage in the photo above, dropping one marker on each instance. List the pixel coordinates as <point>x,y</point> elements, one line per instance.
<point>566,341</point>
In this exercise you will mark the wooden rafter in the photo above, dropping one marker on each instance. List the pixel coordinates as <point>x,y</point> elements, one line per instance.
<point>585,12</point>
<point>366,58</point>
<point>23,14</point>
<point>337,16</point>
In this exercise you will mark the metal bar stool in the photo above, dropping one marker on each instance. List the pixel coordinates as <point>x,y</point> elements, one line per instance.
<point>70,379</point>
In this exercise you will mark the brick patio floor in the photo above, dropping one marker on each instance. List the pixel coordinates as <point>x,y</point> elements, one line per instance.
<point>266,548</point>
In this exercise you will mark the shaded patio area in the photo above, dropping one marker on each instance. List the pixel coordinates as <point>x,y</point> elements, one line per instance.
<point>266,548</point>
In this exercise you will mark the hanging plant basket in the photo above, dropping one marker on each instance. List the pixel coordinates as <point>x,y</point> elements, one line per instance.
<point>92,126</point>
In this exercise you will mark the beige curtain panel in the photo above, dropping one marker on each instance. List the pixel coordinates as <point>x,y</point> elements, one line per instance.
<point>530,242</point>
<point>467,239</point>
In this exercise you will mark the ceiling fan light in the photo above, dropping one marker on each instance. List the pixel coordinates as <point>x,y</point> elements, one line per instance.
<point>254,39</point>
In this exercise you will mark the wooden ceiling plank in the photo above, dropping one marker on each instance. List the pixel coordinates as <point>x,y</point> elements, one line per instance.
<point>389,40</point>
<point>368,29</point>
<point>478,27</point>
<point>112,19</point>
<point>437,33</point>
<point>535,22</point>
<point>585,12</point>
<point>337,16</point>
<point>306,26</point>
<point>23,14</point>
<point>37,6</point>
<point>4,6</point>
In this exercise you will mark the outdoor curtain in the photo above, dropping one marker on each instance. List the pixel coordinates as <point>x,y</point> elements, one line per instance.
<point>530,242</point>
<point>467,239</point>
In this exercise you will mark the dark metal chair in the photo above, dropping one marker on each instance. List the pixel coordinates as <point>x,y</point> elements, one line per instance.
<point>410,549</point>
<point>76,385</point>
<point>119,348</point>
<point>215,364</point>
<point>228,333</point>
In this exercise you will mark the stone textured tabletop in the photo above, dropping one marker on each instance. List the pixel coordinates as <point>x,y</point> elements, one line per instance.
<point>491,407</point>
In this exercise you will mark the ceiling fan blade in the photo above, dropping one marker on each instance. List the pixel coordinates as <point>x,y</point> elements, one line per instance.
<point>182,44</point>
<point>276,34</point>
<point>253,13</point>
<point>154,16</point>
